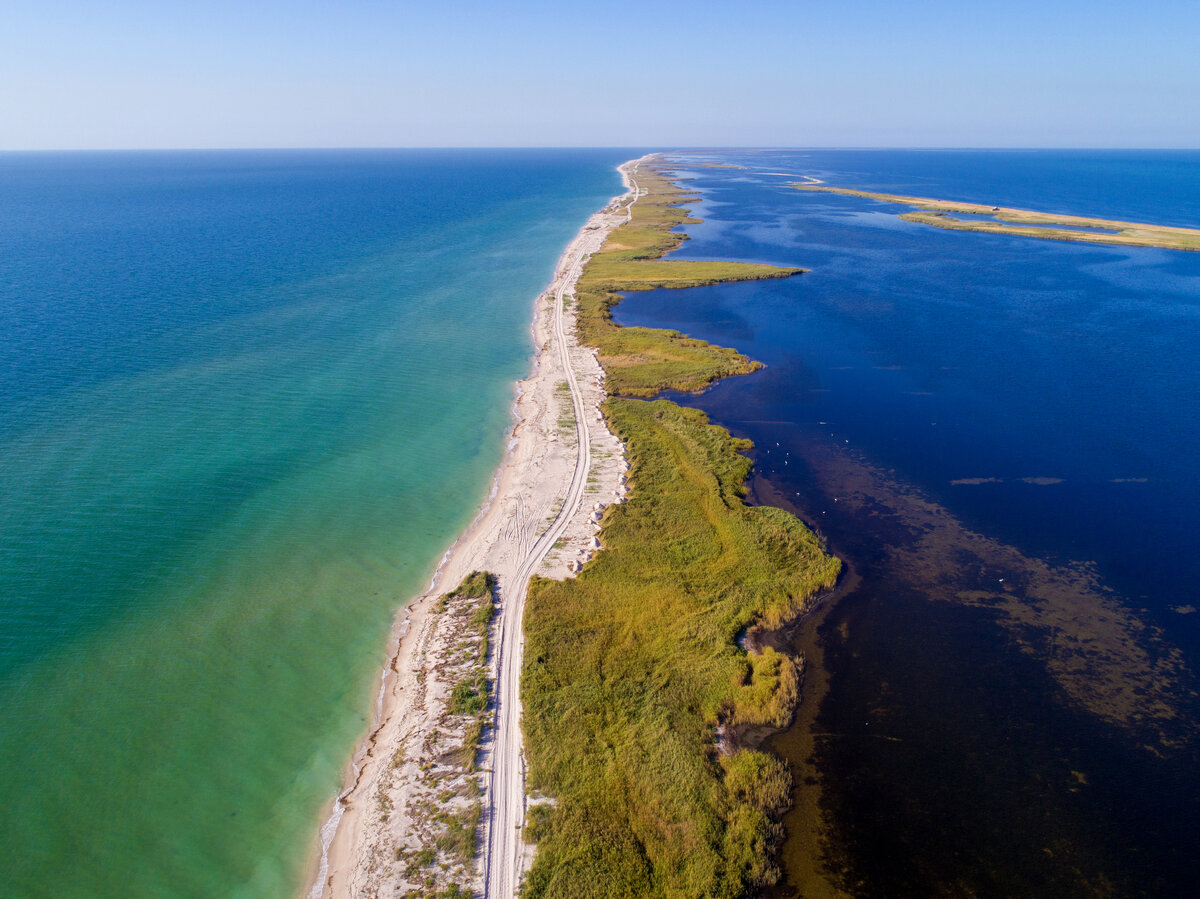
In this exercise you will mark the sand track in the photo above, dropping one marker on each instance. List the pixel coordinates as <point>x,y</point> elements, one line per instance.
<point>563,467</point>
<point>506,794</point>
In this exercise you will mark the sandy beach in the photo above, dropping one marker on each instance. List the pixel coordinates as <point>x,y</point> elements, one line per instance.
<point>562,469</point>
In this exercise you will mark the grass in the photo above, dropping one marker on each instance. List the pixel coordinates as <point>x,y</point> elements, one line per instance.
<point>566,417</point>
<point>478,584</point>
<point>459,833</point>
<point>646,361</point>
<point>633,669</point>
<point>630,668</point>
<point>470,696</point>
<point>1028,223</point>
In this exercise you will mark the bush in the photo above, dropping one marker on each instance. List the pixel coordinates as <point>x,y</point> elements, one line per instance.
<point>470,697</point>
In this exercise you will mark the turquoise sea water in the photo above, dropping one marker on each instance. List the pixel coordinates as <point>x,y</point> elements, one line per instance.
<point>248,399</point>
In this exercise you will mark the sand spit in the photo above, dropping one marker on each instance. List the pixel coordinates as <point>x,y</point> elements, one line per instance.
<point>372,832</point>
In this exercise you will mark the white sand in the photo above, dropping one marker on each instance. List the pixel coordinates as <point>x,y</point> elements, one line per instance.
<point>543,517</point>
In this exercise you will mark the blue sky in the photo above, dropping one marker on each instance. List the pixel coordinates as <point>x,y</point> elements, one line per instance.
<point>1053,73</point>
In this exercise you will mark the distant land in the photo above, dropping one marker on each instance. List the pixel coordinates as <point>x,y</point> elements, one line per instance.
<point>1027,223</point>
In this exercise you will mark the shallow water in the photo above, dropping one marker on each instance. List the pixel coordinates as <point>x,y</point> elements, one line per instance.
<point>998,434</point>
<point>249,399</point>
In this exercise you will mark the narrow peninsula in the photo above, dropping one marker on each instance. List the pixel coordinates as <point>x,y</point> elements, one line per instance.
<point>1027,223</point>
<point>434,793</point>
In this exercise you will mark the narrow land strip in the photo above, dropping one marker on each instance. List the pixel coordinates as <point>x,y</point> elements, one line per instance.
<point>1027,223</point>
<point>506,793</point>
<point>645,683</point>
<point>563,466</point>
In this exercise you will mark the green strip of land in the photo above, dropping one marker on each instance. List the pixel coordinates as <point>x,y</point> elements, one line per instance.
<point>633,669</point>
<point>646,361</point>
<point>1027,223</point>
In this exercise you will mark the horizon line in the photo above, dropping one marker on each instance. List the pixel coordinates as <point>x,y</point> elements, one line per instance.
<point>644,147</point>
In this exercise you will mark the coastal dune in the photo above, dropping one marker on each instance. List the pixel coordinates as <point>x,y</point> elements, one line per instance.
<point>562,469</point>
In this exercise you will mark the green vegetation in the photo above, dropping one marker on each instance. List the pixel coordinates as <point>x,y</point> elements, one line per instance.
<point>537,823</point>
<point>478,585</point>
<point>646,361</point>
<point>469,697</point>
<point>458,836</point>
<point>566,418</point>
<point>637,695</point>
<point>1027,223</point>
<point>452,891</point>
<point>631,667</point>
<point>466,755</point>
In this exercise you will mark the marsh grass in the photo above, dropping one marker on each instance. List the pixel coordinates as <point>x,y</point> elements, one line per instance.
<point>646,361</point>
<point>634,685</point>
<point>630,668</point>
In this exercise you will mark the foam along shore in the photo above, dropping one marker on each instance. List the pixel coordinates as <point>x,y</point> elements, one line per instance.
<point>377,823</point>
<point>1028,223</point>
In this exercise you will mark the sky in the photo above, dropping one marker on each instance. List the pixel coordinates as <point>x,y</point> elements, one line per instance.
<point>394,73</point>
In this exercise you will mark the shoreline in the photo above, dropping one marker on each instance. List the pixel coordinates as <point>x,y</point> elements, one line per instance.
<point>534,474</point>
<point>684,561</point>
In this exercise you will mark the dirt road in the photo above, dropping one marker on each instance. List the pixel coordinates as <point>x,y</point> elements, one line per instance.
<point>506,793</point>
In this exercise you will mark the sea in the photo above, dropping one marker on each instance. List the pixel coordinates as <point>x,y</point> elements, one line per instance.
<point>247,401</point>
<point>1000,436</point>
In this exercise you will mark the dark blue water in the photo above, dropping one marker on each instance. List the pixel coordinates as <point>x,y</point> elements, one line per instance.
<point>960,356</point>
<point>992,412</point>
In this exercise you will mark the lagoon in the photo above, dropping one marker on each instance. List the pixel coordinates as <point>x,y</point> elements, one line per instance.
<point>981,426</point>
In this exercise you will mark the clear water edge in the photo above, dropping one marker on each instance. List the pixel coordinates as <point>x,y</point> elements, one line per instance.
<point>331,814</point>
<point>184,666</point>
